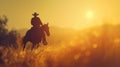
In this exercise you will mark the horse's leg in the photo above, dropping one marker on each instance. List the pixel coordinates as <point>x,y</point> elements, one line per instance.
<point>26,38</point>
<point>37,45</point>
<point>24,42</point>
<point>33,45</point>
<point>24,46</point>
<point>44,39</point>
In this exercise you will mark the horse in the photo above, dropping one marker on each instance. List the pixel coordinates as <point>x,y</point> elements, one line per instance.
<point>35,35</point>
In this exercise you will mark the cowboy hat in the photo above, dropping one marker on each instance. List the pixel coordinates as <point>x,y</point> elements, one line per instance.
<point>35,14</point>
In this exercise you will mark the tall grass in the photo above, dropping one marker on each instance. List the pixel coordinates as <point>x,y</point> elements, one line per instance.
<point>94,47</point>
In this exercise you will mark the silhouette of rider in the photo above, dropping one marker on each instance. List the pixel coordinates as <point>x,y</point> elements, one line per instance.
<point>36,22</point>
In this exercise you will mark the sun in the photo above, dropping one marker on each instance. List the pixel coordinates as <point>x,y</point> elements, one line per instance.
<point>89,14</point>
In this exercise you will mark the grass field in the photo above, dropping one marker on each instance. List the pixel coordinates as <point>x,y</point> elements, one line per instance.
<point>94,47</point>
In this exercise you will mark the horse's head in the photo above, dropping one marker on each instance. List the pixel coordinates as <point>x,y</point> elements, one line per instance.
<point>46,29</point>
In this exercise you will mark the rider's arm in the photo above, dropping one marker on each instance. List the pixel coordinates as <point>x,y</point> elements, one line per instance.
<point>40,22</point>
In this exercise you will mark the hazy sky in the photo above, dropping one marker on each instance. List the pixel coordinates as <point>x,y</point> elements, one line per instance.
<point>63,13</point>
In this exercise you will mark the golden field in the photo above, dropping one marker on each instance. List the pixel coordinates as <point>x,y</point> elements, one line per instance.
<point>96,46</point>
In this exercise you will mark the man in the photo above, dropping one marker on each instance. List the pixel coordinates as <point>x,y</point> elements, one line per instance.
<point>35,21</point>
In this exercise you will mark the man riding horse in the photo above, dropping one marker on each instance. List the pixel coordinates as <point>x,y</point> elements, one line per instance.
<point>37,32</point>
<point>36,23</point>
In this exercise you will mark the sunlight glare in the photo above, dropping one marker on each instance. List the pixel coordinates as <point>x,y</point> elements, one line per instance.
<point>89,14</point>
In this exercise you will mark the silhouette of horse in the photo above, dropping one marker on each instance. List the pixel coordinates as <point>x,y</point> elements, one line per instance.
<point>35,35</point>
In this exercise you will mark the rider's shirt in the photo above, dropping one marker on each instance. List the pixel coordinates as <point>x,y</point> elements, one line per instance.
<point>35,21</point>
